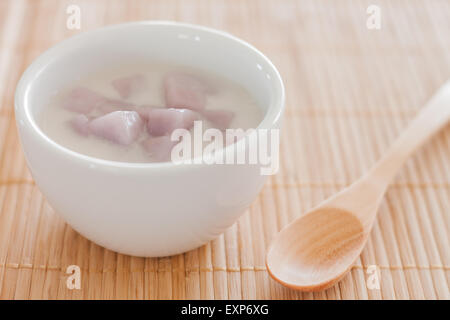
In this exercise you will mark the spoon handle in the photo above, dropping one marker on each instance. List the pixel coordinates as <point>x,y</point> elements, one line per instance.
<point>430,120</point>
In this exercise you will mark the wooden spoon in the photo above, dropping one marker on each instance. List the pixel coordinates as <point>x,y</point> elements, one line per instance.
<point>317,249</point>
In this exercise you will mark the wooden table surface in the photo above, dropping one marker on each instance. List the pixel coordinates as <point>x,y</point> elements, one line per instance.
<point>350,91</point>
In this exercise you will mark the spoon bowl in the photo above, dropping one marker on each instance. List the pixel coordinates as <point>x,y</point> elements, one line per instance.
<point>316,249</point>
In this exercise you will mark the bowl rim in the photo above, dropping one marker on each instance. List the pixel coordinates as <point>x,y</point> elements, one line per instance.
<point>21,101</point>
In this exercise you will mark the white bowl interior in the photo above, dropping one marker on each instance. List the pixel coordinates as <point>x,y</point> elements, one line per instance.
<point>181,44</point>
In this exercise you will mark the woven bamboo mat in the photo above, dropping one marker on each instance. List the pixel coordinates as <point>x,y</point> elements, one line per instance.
<point>350,91</point>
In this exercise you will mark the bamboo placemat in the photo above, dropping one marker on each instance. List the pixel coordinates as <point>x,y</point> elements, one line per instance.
<point>350,91</point>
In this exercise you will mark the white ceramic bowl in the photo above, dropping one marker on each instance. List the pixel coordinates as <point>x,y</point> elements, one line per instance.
<point>153,209</point>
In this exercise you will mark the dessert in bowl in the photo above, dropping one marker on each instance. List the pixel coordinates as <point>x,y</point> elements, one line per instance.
<point>94,114</point>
